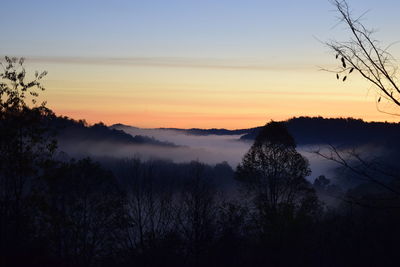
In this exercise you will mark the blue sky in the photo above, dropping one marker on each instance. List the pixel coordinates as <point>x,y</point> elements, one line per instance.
<point>186,28</point>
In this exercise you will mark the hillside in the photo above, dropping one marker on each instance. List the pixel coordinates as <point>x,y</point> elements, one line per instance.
<point>339,131</point>
<point>72,131</point>
<point>311,130</point>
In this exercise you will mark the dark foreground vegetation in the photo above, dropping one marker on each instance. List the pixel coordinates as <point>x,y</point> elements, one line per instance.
<point>57,211</point>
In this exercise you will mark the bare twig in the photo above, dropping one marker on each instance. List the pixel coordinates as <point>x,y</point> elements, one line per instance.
<point>363,54</point>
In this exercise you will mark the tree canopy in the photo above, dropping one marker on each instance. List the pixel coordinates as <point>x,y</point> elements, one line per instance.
<point>274,173</point>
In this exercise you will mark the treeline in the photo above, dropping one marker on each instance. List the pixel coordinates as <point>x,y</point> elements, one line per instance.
<point>339,131</point>
<point>70,131</point>
<point>78,213</point>
<point>346,132</point>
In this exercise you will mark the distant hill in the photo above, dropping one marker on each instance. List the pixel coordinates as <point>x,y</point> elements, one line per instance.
<point>215,131</point>
<point>191,131</point>
<point>72,131</point>
<point>317,130</point>
<point>339,131</point>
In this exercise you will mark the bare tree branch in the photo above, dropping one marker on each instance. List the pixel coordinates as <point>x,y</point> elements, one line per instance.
<point>363,54</point>
<point>366,171</point>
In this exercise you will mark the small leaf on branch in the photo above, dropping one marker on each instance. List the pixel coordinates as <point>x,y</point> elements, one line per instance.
<point>337,76</point>
<point>379,99</point>
<point>345,77</point>
<point>351,70</point>
<point>343,63</point>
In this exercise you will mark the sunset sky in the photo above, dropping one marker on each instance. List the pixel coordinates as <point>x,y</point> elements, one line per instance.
<point>204,63</point>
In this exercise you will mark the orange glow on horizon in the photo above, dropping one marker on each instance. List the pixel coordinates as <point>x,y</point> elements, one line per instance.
<point>182,97</point>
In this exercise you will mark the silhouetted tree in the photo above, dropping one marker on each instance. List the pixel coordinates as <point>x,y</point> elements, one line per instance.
<point>274,173</point>
<point>283,201</point>
<point>233,234</point>
<point>364,54</point>
<point>321,182</point>
<point>25,145</point>
<point>149,208</point>
<point>80,213</point>
<point>196,214</point>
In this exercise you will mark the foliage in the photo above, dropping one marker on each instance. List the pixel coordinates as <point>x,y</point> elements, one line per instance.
<point>25,145</point>
<point>274,174</point>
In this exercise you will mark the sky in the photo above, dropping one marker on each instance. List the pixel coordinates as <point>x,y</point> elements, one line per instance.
<point>205,63</point>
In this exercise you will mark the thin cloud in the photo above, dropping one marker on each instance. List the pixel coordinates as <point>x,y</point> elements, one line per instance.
<point>176,62</point>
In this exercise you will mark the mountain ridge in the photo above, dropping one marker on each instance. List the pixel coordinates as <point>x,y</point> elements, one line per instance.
<point>313,130</point>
